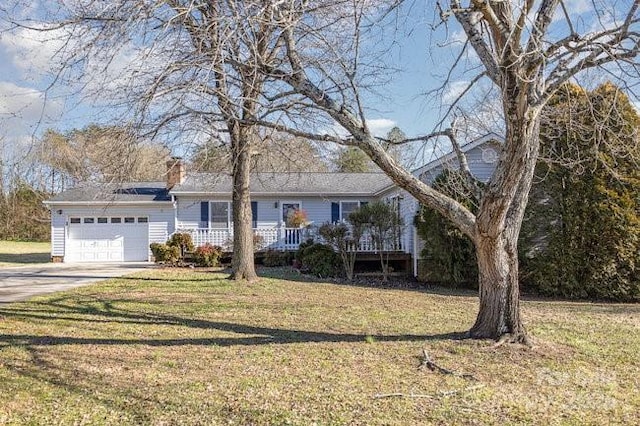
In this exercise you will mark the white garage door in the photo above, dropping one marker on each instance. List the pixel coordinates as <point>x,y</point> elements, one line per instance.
<point>107,239</point>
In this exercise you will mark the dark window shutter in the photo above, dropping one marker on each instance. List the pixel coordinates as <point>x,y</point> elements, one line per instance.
<point>254,214</point>
<point>335,212</point>
<point>204,214</point>
<point>363,203</point>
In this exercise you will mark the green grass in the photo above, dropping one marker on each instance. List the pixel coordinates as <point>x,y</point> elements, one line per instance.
<point>184,347</point>
<point>17,253</point>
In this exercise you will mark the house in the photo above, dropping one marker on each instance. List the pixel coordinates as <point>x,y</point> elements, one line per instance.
<point>117,222</point>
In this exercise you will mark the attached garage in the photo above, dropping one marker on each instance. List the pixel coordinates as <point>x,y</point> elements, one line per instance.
<point>110,223</point>
<point>107,239</point>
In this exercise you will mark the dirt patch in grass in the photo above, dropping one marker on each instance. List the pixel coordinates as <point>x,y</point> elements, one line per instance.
<point>17,253</point>
<point>185,347</point>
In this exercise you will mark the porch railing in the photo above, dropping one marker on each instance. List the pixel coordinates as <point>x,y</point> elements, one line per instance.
<point>281,238</point>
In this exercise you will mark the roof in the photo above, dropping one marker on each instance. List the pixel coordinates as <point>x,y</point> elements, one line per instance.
<point>276,183</point>
<point>491,138</point>
<point>488,138</point>
<point>293,183</point>
<point>134,192</point>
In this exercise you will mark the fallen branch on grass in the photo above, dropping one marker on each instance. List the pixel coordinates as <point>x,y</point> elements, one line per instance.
<point>401,395</point>
<point>457,391</point>
<point>427,362</point>
<point>422,395</point>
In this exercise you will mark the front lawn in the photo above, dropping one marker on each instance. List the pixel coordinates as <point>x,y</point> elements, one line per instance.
<point>184,347</point>
<point>17,253</point>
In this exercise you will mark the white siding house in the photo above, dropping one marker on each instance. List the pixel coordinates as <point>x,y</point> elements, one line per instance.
<point>118,222</point>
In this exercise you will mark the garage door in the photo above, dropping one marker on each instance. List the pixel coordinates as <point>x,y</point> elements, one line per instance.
<point>107,239</point>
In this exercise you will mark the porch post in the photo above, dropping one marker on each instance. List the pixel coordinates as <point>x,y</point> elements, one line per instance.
<point>280,236</point>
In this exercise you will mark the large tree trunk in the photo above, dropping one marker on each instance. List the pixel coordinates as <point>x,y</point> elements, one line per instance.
<point>242,261</point>
<point>499,313</point>
<point>499,221</point>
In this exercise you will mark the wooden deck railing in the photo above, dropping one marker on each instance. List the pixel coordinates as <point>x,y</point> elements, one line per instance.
<point>280,238</point>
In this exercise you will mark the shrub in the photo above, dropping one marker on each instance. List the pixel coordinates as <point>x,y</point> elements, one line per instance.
<point>163,253</point>
<point>207,255</point>
<point>303,245</point>
<point>183,241</point>
<point>276,258</point>
<point>321,260</point>
<point>448,254</point>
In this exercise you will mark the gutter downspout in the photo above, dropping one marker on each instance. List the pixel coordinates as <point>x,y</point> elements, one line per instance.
<point>174,200</point>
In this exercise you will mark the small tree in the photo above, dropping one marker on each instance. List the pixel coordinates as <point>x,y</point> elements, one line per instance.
<point>383,224</point>
<point>345,240</point>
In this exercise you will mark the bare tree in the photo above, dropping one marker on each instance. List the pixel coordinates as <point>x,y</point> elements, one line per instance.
<point>100,154</point>
<point>277,152</point>
<point>526,50</point>
<point>175,70</point>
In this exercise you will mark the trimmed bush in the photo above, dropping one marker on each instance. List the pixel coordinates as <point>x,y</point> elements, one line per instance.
<point>163,253</point>
<point>183,241</point>
<point>207,255</point>
<point>321,260</point>
<point>303,245</point>
<point>276,258</point>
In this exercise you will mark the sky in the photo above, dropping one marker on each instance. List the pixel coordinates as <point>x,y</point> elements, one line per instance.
<point>28,106</point>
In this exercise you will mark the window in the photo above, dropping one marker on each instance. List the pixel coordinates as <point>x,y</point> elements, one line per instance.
<point>288,208</point>
<point>219,214</point>
<point>88,220</point>
<point>116,220</point>
<point>102,220</point>
<point>74,220</point>
<point>129,220</point>
<point>143,219</point>
<point>346,207</point>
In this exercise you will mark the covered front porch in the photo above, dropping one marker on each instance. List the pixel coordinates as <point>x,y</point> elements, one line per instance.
<point>285,239</point>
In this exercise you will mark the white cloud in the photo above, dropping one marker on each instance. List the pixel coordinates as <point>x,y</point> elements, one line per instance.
<point>23,110</point>
<point>380,126</point>
<point>32,51</point>
<point>377,126</point>
<point>19,102</point>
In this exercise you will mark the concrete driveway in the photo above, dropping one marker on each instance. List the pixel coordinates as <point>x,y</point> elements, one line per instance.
<point>23,282</point>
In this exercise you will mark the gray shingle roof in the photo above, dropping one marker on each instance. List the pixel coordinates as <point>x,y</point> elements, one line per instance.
<point>111,192</point>
<point>289,183</point>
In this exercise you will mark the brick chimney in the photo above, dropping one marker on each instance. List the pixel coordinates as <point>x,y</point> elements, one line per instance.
<point>175,172</point>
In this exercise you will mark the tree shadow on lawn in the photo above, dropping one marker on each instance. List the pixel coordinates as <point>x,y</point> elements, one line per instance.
<point>58,310</point>
<point>578,305</point>
<point>406,284</point>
